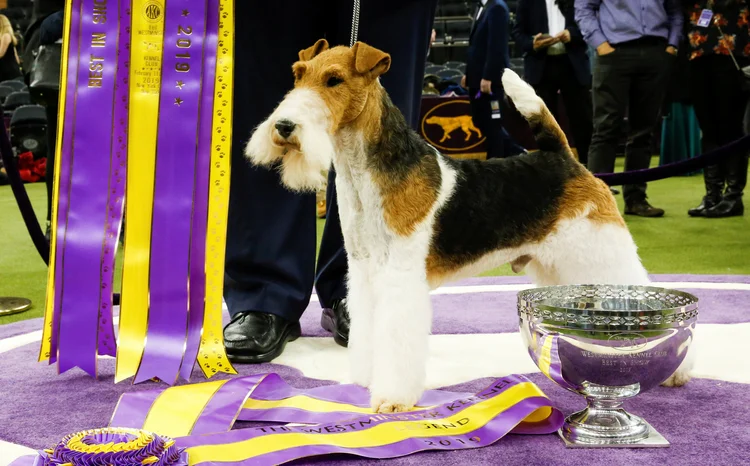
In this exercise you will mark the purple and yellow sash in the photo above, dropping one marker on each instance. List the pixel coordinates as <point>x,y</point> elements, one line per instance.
<point>145,124</point>
<point>200,418</point>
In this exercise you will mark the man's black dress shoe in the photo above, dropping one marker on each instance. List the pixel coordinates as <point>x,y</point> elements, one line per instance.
<point>336,321</point>
<point>256,337</point>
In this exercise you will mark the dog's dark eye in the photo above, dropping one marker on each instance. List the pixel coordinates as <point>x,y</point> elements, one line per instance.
<point>334,81</point>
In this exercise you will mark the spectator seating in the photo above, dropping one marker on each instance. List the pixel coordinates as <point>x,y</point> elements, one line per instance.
<point>15,100</point>
<point>456,65</point>
<point>15,84</point>
<point>5,91</point>
<point>451,75</point>
<point>28,130</point>
<point>434,69</point>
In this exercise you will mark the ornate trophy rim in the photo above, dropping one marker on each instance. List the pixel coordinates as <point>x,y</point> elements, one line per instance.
<point>683,311</point>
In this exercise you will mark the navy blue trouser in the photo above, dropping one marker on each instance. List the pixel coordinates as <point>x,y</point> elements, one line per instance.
<point>271,232</point>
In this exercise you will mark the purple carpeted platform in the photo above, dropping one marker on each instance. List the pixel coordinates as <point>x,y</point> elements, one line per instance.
<point>707,421</point>
<point>495,312</point>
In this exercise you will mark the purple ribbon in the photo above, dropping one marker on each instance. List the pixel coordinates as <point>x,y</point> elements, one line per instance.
<point>132,409</point>
<point>200,201</point>
<point>117,176</point>
<point>173,191</point>
<point>85,232</point>
<point>64,175</point>
<point>222,410</point>
<point>489,433</point>
<point>274,388</point>
<point>224,407</point>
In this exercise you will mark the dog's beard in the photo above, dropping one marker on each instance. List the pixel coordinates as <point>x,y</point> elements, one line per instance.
<point>261,150</point>
<point>305,169</point>
<point>307,156</point>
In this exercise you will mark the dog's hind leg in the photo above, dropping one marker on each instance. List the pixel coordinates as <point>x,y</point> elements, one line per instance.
<point>402,317</point>
<point>682,375</point>
<point>360,303</point>
<point>583,251</point>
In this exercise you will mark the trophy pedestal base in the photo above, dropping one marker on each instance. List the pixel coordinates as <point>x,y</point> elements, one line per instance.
<point>653,440</point>
<point>10,306</point>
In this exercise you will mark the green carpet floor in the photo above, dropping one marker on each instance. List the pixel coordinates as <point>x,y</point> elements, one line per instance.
<point>672,244</point>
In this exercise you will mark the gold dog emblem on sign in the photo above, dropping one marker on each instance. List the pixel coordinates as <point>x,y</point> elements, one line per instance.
<point>448,126</point>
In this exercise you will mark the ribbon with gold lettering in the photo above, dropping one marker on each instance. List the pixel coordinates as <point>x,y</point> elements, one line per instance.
<point>176,149</point>
<point>213,407</point>
<point>465,423</point>
<point>147,34</point>
<point>84,231</point>
<point>200,418</point>
<point>126,83</point>
<point>117,176</point>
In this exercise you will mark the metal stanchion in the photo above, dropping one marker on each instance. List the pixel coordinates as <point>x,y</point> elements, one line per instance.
<point>9,305</point>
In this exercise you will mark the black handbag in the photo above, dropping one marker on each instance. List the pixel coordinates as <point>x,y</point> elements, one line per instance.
<point>45,73</point>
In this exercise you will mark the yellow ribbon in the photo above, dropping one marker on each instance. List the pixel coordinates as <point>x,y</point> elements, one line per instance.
<point>145,68</point>
<point>472,418</point>
<point>49,303</point>
<point>306,403</point>
<point>176,410</point>
<point>212,356</point>
<point>545,357</point>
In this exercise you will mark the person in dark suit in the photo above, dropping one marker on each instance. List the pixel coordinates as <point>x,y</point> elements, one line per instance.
<point>271,232</point>
<point>556,59</point>
<point>488,56</point>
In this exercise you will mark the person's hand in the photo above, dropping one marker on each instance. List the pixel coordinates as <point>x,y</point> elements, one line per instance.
<point>543,43</point>
<point>563,37</point>
<point>433,37</point>
<point>604,49</point>
<point>672,51</point>
<point>485,86</point>
<point>463,81</point>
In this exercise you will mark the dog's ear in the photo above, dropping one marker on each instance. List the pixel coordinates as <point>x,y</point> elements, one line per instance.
<point>311,52</point>
<point>370,60</point>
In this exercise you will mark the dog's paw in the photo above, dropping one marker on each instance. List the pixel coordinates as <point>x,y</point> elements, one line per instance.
<point>394,401</point>
<point>382,406</point>
<point>678,379</point>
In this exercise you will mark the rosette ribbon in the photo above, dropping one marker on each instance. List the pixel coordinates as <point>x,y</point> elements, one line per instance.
<point>113,447</point>
<point>338,420</point>
<point>146,108</point>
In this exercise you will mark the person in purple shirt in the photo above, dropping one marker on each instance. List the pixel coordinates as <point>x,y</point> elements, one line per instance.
<point>636,43</point>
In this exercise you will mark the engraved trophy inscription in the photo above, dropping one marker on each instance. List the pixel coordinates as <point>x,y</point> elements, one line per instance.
<point>607,343</point>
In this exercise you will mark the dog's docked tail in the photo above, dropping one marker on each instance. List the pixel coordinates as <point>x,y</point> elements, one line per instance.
<point>547,133</point>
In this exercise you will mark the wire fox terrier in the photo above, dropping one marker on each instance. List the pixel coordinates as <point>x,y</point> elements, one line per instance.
<point>413,219</point>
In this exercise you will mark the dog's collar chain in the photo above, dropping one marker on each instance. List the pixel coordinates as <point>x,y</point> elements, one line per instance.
<point>355,24</point>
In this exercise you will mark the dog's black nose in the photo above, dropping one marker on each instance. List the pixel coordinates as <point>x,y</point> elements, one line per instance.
<point>285,128</point>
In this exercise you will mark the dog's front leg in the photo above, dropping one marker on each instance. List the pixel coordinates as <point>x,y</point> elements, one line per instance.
<point>360,302</point>
<point>402,318</point>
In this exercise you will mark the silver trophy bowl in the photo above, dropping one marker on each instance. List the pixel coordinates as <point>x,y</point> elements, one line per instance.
<point>607,343</point>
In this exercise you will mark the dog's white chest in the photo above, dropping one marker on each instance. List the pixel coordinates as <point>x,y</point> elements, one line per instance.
<point>366,235</point>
